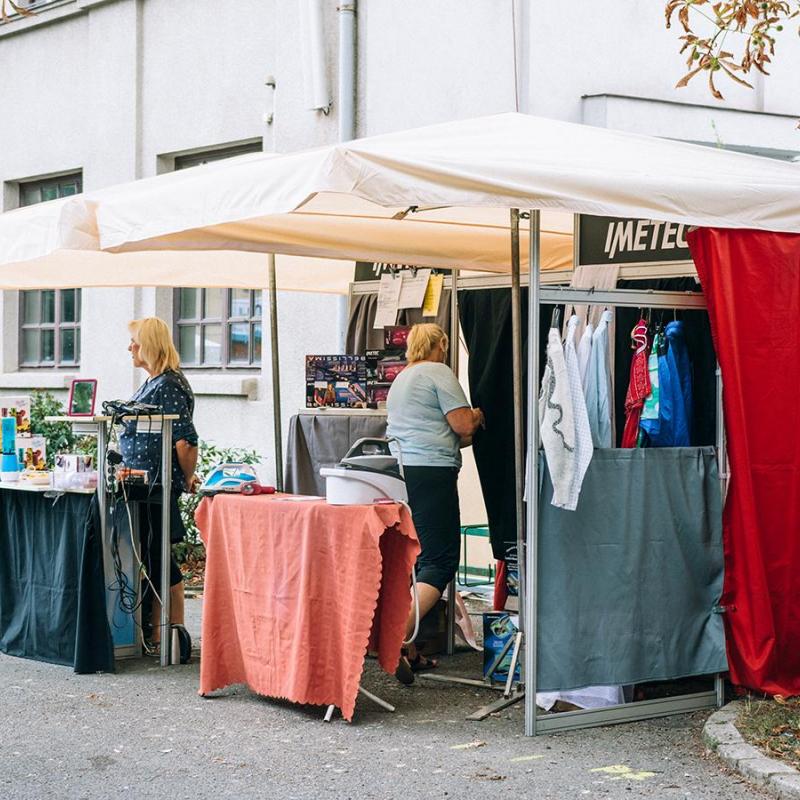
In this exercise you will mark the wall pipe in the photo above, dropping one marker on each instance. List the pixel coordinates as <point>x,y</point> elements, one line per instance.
<point>347,71</point>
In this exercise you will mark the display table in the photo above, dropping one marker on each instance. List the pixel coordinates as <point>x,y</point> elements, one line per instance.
<point>296,591</point>
<point>321,438</point>
<point>52,588</point>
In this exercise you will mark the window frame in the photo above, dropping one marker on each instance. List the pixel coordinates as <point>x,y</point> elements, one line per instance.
<point>225,321</point>
<point>57,326</point>
<point>60,183</point>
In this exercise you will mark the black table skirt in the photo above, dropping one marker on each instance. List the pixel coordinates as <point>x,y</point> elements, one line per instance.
<point>52,585</point>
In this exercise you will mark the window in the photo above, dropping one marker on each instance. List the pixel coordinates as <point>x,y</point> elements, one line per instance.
<point>31,192</point>
<point>50,328</point>
<point>50,318</point>
<point>219,327</point>
<point>195,159</point>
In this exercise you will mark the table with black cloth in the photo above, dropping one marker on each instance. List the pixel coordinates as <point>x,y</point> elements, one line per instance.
<point>321,439</point>
<point>52,585</point>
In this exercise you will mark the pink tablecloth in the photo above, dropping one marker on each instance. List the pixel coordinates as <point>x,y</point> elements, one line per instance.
<point>295,592</point>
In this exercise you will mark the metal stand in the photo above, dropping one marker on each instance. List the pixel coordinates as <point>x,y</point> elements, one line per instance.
<point>361,690</point>
<point>276,373</point>
<point>166,544</point>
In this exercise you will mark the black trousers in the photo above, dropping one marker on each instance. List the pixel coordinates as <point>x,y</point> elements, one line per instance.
<point>433,497</point>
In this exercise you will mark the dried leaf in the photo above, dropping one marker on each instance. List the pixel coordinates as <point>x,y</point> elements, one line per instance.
<point>684,81</point>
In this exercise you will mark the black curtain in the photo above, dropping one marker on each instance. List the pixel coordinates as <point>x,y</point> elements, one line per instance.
<point>701,354</point>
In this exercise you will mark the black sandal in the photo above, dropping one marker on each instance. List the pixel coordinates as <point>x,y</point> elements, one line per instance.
<point>404,672</point>
<point>422,664</point>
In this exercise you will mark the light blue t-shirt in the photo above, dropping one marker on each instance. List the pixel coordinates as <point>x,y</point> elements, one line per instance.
<point>420,397</point>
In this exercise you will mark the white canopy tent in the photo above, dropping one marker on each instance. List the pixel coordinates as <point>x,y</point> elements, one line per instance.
<point>436,196</point>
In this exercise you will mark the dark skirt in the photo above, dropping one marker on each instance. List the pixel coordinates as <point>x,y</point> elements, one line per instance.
<point>433,498</point>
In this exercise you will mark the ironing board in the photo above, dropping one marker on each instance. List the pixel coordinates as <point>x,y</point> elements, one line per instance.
<point>297,590</point>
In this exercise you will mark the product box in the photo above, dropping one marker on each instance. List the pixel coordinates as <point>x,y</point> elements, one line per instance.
<point>32,452</point>
<point>338,381</point>
<point>382,368</point>
<point>499,628</point>
<point>20,408</point>
<point>395,339</point>
<point>73,462</point>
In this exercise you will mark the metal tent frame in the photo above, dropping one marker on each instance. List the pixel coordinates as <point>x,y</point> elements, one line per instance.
<point>527,514</point>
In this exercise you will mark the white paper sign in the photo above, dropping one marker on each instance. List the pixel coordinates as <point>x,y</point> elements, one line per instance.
<point>414,286</point>
<point>388,300</point>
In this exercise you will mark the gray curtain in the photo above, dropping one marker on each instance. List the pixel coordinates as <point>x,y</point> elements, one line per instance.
<point>322,440</point>
<point>361,336</point>
<point>629,581</point>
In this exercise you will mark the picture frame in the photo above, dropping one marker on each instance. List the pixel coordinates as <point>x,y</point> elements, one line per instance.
<point>82,395</point>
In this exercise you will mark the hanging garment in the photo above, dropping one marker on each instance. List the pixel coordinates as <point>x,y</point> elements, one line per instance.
<point>675,391</point>
<point>556,423</point>
<point>649,422</point>
<point>639,386</point>
<point>594,276</point>
<point>585,353</point>
<point>583,433</point>
<point>598,385</point>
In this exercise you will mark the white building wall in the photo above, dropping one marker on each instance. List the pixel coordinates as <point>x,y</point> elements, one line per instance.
<point>118,88</point>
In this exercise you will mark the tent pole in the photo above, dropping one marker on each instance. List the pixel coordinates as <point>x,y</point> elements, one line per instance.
<point>276,376</point>
<point>519,432</point>
<point>531,556</point>
<point>454,344</point>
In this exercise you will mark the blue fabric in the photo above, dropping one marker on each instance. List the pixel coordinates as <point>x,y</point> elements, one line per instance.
<point>674,428</point>
<point>171,392</point>
<point>419,400</point>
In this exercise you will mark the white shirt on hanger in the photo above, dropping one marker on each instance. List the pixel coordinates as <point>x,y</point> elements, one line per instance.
<point>583,434</point>
<point>598,385</point>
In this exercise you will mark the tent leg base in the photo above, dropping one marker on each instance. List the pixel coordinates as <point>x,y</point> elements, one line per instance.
<point>504,702</point>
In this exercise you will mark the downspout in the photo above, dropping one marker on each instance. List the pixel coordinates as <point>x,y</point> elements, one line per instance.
<point>347,71</point>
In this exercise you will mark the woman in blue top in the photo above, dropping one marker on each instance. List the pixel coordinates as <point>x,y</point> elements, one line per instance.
<point>166,387</point>
<point>431,419</point>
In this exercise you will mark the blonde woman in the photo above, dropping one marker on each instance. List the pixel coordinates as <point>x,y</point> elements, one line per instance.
<point>431,419</point>
<point>165,387</point>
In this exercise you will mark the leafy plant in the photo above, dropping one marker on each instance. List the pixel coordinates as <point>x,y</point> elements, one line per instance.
<point>59,436</point>
<point>755,23</point>
<point>190,551</point>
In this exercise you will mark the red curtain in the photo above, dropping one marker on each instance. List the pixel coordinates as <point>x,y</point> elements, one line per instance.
<point>751,280</point>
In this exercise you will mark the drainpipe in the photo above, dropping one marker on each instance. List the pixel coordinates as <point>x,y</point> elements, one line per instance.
<point>347,71</point>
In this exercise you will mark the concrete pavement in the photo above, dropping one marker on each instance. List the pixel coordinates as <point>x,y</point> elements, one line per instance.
<point>145,733</point>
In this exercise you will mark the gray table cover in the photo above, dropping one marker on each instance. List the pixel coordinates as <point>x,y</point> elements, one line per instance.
<point>322,440</point>
<point>629,581</point>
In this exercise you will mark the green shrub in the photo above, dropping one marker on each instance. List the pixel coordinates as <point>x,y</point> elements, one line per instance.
<point>59,435</point>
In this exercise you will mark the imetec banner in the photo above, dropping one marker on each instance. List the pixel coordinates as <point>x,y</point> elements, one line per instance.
<point>623,240</point>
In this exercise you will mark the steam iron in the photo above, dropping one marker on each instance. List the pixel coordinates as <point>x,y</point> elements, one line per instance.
<point>369,473</point>
<point>228,478</point>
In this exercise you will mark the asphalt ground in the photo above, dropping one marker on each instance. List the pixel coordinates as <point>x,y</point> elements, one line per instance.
<point>145,733</point>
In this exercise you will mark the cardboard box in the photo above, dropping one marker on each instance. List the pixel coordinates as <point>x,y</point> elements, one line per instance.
<point>32,452</point>
<point>337,381</point>
<point>20,408</point>
<point>499,628</point>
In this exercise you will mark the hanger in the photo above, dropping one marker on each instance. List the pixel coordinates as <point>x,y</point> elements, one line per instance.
<point>556,318</point>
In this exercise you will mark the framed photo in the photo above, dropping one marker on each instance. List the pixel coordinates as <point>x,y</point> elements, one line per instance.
<point>82,395</point>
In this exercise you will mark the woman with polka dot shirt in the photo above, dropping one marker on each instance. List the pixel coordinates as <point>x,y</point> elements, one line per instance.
<point>166,387</point>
